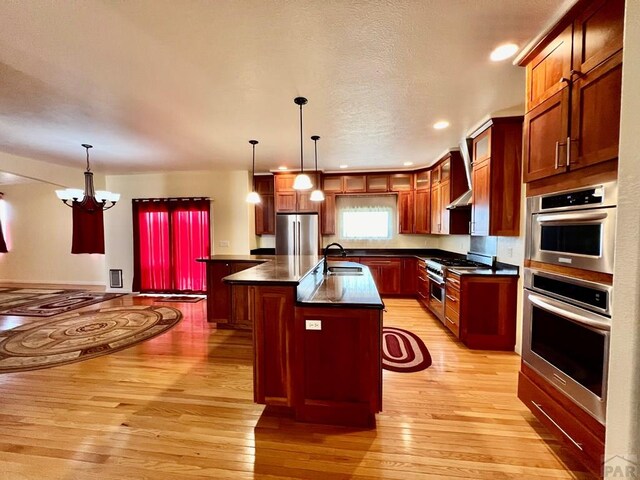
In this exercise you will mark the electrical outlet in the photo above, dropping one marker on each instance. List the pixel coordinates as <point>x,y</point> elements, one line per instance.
<point>510,252</point>
<point>313,324</point>
<point>224,243</point>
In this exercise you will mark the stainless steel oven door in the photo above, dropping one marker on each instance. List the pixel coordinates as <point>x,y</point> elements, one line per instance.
<point>569,346</point>
<point>582,239</point>
<point>436,297</point>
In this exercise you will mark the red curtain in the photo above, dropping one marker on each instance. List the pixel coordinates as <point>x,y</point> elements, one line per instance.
<point>3,244</point>
<point>88,230</point>
<point>169,235</point>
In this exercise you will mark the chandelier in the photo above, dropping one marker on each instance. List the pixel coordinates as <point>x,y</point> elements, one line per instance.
<point>88,199</point>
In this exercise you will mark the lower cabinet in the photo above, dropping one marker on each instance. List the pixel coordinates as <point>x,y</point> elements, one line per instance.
<point>408,279</point>
<point>330,374</point>
<point>579,433</point>
<point>422,286</point>
<point>338,367</point>
<point>386,272</point>
<point>227,306</point>
<point>452,304</point>
<point>481,310</point>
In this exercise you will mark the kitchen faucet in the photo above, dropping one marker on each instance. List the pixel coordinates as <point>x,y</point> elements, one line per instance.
<point>326,249</point>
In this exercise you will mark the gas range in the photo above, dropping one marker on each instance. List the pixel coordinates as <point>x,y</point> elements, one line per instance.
<point>437,267</point>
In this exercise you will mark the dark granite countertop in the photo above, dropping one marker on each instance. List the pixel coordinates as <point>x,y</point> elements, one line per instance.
<point>236,258</point>
<point>381,252</point>
<point>276,269</point>
<point>357,291</point>
<point>507,272</point>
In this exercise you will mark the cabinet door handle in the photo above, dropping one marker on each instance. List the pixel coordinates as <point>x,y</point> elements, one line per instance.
<point>577,73</point>
<point>565,80</point>
<point>453,299</point>
<point>541,410</point>
<point>557,159</point>
<point>568,151</point>
<point>449,320</point>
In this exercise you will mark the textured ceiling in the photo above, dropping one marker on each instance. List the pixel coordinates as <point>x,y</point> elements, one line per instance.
<point>183,85</point>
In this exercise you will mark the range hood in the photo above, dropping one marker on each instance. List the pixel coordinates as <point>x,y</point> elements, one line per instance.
<point>464,200</point>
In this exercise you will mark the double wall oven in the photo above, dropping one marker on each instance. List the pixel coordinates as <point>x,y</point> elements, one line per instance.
<point>567,319</point>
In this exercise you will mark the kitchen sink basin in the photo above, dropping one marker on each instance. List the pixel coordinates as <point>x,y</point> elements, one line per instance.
<point>344,271</point>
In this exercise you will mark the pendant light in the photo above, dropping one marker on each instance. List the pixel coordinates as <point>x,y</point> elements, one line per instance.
<point>252,196</point>
<point>89,199</point>
<point>317,195</point>
<point>302,180</point>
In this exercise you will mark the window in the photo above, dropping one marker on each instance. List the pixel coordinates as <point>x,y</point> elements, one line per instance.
<point>366,218</point>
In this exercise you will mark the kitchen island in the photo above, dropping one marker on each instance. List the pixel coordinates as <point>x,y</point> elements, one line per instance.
<point>317,338</point>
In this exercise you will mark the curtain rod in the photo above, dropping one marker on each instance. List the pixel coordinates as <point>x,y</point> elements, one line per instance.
<point>170,199</point>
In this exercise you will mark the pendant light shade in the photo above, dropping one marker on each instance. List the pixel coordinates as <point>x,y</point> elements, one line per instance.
<point>317,195</point>
<point>253,196</point>
<point>302,180</point>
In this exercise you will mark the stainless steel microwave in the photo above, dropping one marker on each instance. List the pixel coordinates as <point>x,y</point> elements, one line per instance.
<point>574,228</point>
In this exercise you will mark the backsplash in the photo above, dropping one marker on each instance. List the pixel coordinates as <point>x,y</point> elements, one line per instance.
<point>396,241</point>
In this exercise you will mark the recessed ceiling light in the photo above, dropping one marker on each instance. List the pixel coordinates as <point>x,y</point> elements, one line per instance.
<point>282,167</point>
<point>407,164</point>
<point>441,124</point>
<point>344,166</point>
<point>503,52</point>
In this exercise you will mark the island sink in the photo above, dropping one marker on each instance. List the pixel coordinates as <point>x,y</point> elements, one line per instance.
<point>332,372</point>
<point>344,270</point>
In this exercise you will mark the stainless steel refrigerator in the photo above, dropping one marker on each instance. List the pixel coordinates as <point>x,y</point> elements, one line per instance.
<point>297,233</point>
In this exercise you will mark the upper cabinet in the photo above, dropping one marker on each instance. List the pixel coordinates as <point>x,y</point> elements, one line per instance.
<point>573,93</point>
<point>289,200</point>
<point>495,204</point>
<point>265,217</point>
<point>448,182</point>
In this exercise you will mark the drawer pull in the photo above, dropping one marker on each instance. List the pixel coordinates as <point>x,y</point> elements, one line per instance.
<point>453,299</point>
<point>539,407</point>
<point>422,295</point>
<point>450,321</point>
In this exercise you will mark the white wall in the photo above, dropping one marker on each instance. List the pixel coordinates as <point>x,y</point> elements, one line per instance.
<point>231,216</point>
<point>39,228</point>
<point>623,402</point>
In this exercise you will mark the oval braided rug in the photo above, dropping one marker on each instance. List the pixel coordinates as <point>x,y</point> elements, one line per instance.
<point>74,337</point>
<point>403,351</point>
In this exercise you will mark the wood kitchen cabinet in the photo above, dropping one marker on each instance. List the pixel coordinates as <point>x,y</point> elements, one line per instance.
<point>338,368</point>
<point>288,200</point>
<point>328,214</point>
<point>448,182</point>
<point>408,280</point>
<point>226,306</point>
<point>265,212</point>
<point>401,182</point>
<point>576,430</point>
<point>377,183</point>
<point>405,212</point>
<point>422,211</point>
<point>422,284</point>
<point>574,80</point>
<point>481,310</point>
<point>496,163</point>
<point>386,273</point>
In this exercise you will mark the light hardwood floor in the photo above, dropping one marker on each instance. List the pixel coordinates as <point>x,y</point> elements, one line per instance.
<point>180,407</point>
